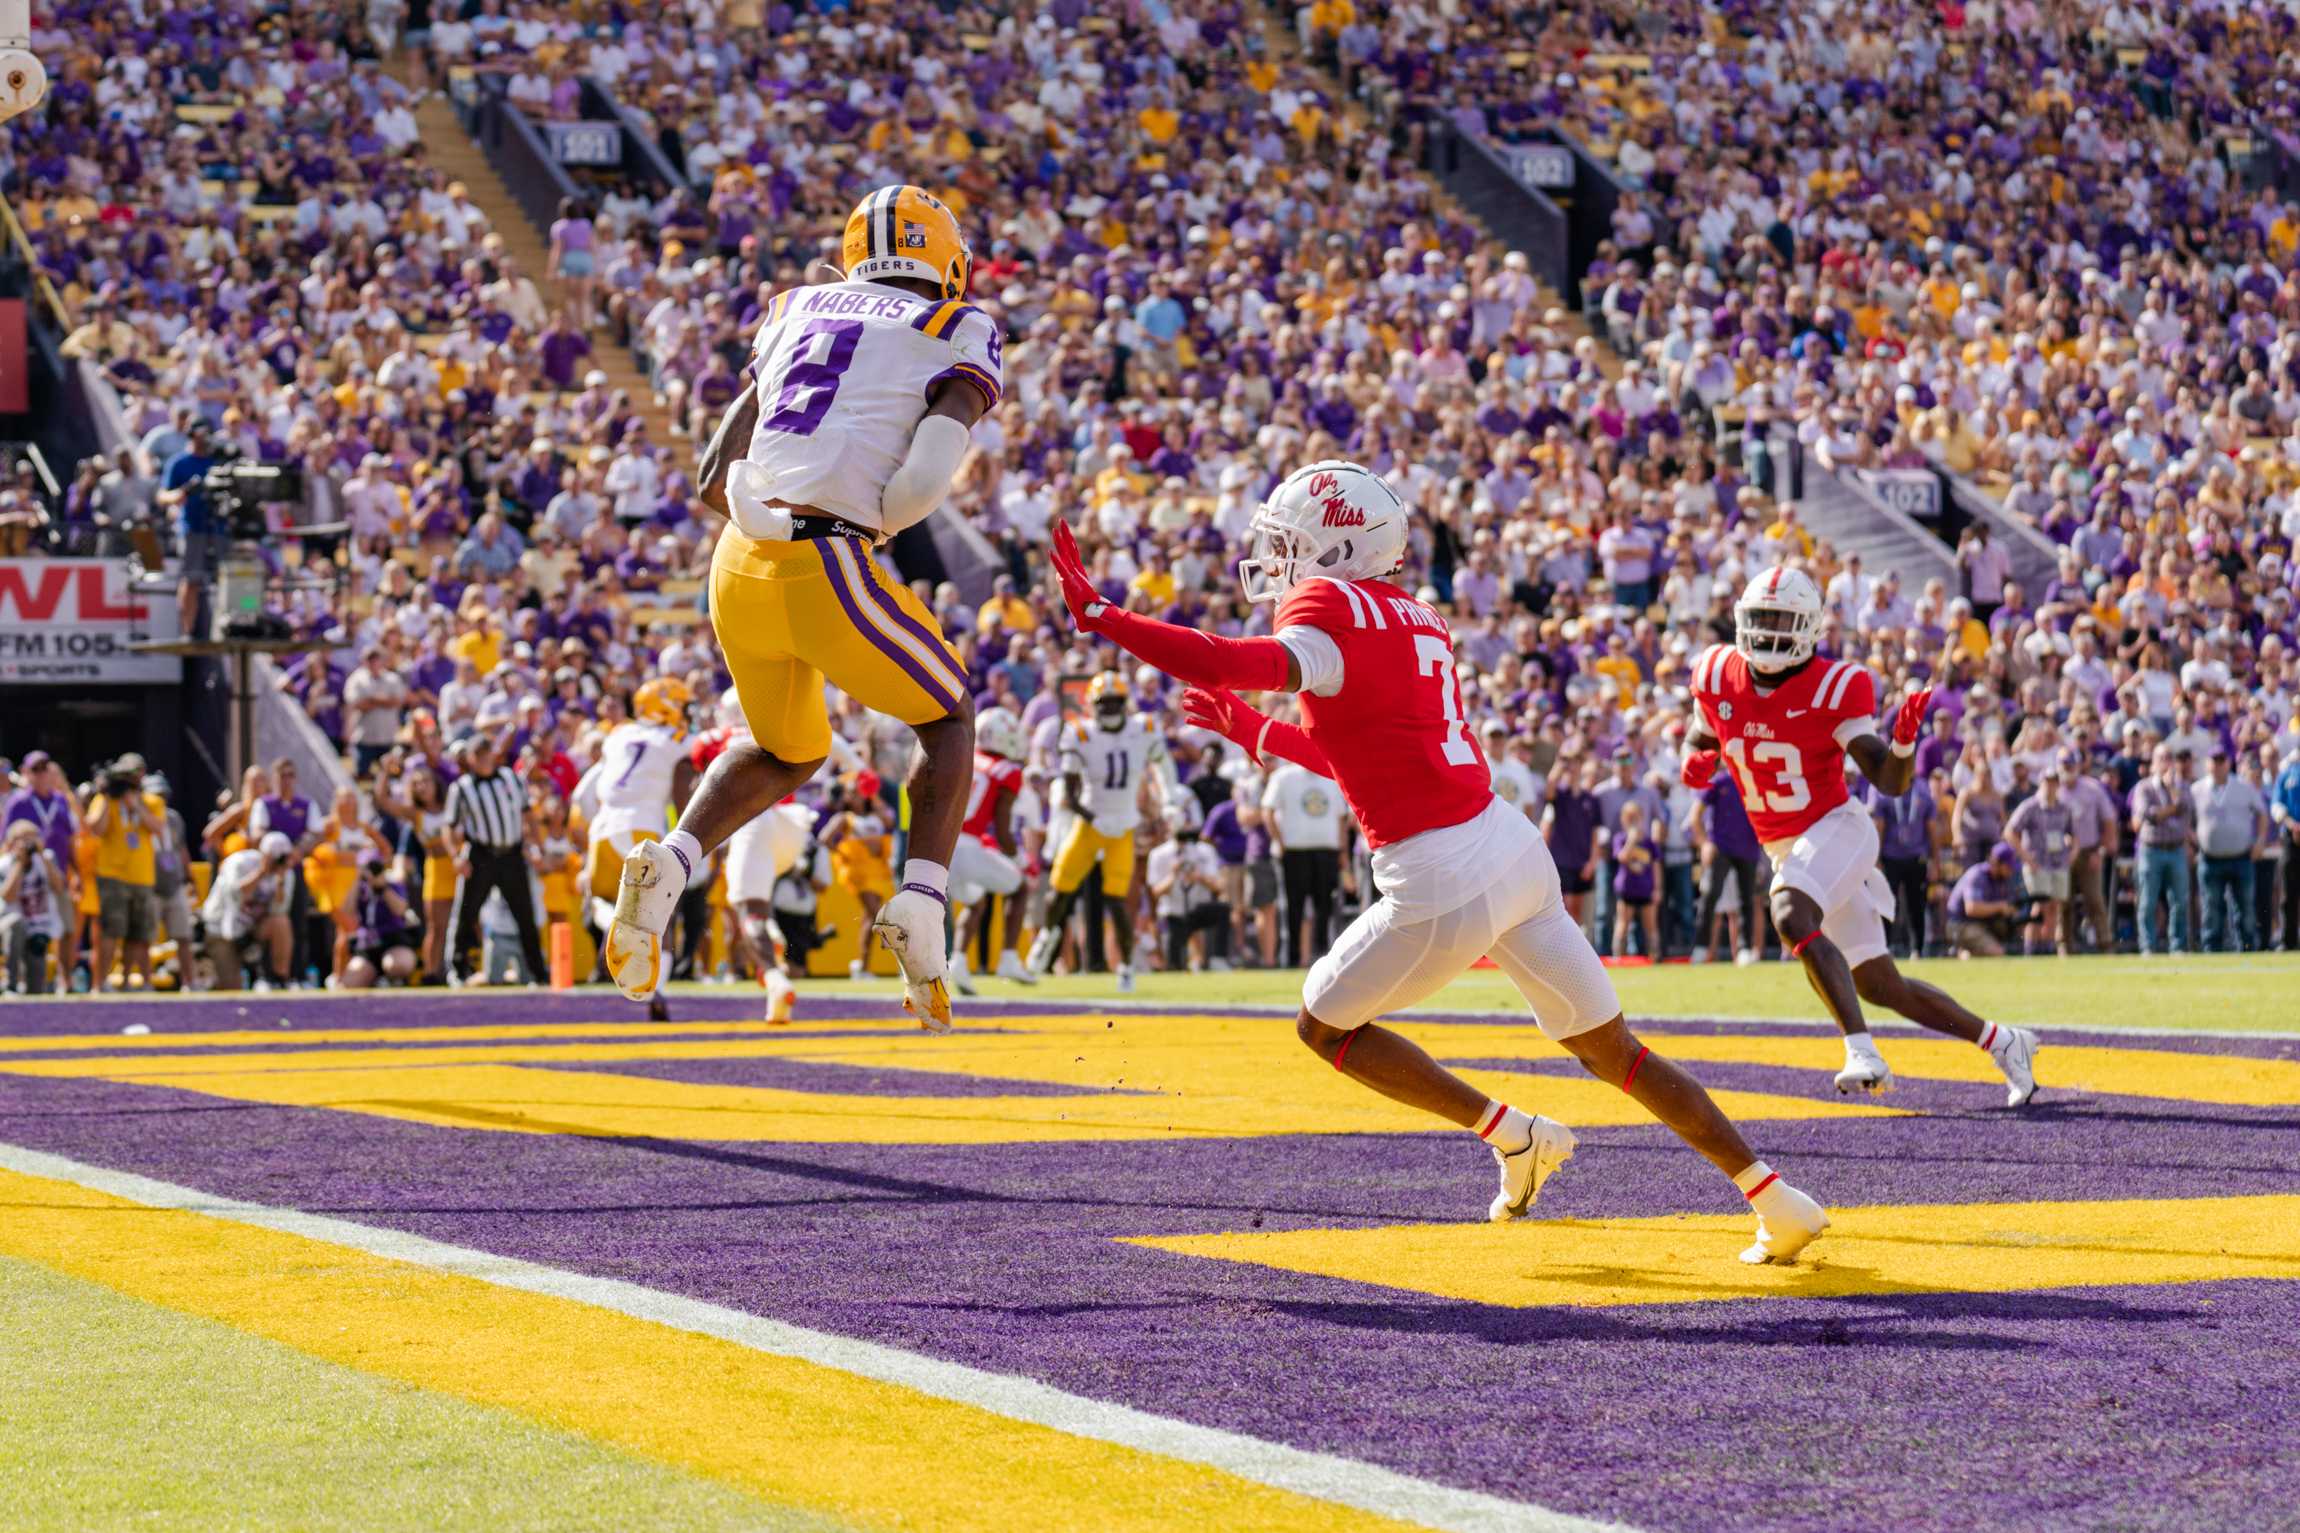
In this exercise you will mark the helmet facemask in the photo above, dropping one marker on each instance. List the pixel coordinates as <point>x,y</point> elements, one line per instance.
<point>1775,638</point>
<point>1281,557</point>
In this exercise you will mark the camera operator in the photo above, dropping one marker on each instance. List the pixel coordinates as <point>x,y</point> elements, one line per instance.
<point>1185,879</point>
<point>128,823</point>
<point>32,899</point>
<point>384,930</point>
<point>200,534</point>
<point>1985,907</point>
<point>247,914</point>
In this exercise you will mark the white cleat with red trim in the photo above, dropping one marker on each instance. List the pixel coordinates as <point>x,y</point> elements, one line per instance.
<point>1523,1171</point>
<point>1787,1222</point>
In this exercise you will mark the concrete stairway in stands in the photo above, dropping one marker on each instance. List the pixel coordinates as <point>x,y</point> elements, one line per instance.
<point>459,157</point>
<point>1851,522</point>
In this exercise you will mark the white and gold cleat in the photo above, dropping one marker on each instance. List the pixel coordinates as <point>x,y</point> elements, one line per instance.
<point>911,926</point>
<point>653,880</point>
<point>782,995</point>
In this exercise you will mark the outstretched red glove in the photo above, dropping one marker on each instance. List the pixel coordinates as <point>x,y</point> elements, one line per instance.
<point>1699,770</point>
<point>1253,731</point>
<point>1200,659</point>
<point>1909,721</point>
<point>1086,605</point>
<point>1232,718</point>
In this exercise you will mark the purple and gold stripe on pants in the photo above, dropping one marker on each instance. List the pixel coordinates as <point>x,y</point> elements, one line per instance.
<point>921,654</point>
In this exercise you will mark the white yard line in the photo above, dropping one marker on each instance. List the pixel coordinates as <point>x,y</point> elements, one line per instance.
<point>1440,1009</point>
<point>1325,1477</point>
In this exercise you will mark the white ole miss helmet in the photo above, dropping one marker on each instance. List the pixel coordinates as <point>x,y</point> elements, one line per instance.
<point>1333,518</point>
<point>1777,621</point>
<point>999,732</point>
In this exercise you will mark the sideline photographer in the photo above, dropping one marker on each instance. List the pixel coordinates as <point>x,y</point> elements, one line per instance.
<point>246,914</point>
<point>129,824</point>
<point>1985,906</point>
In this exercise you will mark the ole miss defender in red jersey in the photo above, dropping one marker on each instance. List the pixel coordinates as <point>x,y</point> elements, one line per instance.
<point>1783,720</point>
<point>1462,875</point>
<point>982,864</point>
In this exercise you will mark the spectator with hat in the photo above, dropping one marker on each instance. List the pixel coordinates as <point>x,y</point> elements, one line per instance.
<point>1984,906</point>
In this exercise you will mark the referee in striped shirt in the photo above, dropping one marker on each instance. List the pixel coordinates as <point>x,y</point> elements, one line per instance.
<point>487,816</point>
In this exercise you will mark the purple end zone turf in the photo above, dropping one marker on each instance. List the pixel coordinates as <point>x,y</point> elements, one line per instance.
<point>2138,1407</point>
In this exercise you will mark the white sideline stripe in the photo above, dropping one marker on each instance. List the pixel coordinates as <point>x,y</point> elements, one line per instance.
<point>1324,1477</point>
<point>1439,1008</point>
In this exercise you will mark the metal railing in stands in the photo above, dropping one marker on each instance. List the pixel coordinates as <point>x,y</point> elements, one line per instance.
<point>643,155</point>
<point>520,155</point>
<point>282,728</point>
<point>21,242</point>
<point>2035,557</point>
<point>1597,195</point>
<point>1521,215</point>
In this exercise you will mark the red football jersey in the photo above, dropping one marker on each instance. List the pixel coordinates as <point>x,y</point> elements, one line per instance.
<point>1394,732</point>
<point>1786,747</point>
<point>994,777</point>
<point>707,748</point>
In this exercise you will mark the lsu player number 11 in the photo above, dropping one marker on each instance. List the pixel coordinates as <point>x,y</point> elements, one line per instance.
<point>1461,874</point>
<point>1782,718</point>
<point>1105,760</point>
<point>855,419</point>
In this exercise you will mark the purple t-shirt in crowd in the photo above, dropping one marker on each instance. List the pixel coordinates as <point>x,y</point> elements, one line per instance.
<point>52,812</point>
<point>1633,883</point>
<point>291,817</point>
<point>1728,822</point>
<point>1225,835</point>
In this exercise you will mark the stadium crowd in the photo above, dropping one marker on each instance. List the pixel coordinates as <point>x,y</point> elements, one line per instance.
<point>1212,266</point>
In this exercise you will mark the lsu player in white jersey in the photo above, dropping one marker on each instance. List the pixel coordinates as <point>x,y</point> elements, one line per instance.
<point>1103,767</point>
<point>857,415</point>
<point>627,795</point>
<point>984,863</point>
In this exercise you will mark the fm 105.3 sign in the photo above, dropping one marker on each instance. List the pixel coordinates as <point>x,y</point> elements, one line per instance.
<point>70,621</point>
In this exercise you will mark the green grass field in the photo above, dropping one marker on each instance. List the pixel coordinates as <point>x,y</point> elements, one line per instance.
<point>2233,992</point>
<point>125,1414</point>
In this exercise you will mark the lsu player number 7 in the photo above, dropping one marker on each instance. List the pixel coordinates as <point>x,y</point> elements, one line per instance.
<point>1104,766</point>
<point>854,421</point>
<point>1783,719</point>
<point>1461,873</point>
<point>627,795</point>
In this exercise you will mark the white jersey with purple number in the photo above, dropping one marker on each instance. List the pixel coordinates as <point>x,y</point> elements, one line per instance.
<point>845,372</point>
<point>633,780</point>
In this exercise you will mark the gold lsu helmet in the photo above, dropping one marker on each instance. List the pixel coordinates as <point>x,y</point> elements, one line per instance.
<point>1107,697</point>
<point>665,700</point>
<point>902,231</point>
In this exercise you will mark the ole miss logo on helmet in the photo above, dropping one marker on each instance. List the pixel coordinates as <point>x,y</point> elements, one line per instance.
<point>1325,488</point>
